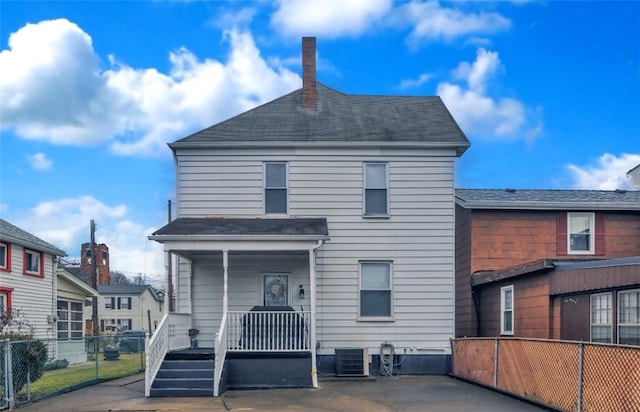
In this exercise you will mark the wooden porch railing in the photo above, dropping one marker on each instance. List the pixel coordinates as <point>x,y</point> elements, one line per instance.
<point>268,331</point>
<point>220,352</point>
<point>172,333</point>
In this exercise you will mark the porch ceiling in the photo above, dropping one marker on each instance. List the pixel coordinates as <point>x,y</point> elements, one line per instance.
<point>189,236</point>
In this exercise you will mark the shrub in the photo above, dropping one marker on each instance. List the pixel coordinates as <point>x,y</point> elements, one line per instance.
<point>28,356</point>
<point>56,364</point>
<point>28,359</point>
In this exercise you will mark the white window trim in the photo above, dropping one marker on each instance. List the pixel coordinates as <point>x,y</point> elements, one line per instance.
<point>591,324</point>
<point>622,292</point>
<point>69,321</point>
<point>364,191</point>
<point>503,291</point>
<point>264,187</point>
<point>592,234</point>
<point>391,316</point>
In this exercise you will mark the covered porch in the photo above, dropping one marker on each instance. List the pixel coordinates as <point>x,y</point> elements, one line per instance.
<point>244,288</point>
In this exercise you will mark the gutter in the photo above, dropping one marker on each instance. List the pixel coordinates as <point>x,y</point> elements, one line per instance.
<point>168,238</point>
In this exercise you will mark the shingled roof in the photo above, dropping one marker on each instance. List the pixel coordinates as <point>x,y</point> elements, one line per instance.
<point>13,234</point>
<point>245,227</point>
<point>548,199</point>
<point>338,118</point>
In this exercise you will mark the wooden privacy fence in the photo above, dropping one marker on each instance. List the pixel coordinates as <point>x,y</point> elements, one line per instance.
<point>565,375</point>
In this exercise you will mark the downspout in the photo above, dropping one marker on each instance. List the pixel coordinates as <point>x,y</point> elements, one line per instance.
<point>54,301</point>
<point>312,291</point>
<point>476,304</point>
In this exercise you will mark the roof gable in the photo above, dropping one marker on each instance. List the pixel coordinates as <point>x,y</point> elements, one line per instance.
<point>338,118</point>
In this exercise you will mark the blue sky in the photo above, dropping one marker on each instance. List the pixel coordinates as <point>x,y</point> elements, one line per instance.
<point>548,93</point>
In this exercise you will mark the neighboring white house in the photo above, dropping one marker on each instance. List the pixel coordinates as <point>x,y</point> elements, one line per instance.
<point>73,295</point>
<point>28,279</point>
<point>127,307</point>
<point>339,206</point>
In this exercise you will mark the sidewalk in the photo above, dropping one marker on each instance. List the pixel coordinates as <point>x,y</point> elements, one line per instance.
<point>405,393</point>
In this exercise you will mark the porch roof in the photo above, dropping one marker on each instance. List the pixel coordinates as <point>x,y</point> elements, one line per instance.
<point>245,227</point>
<point>216,233</point>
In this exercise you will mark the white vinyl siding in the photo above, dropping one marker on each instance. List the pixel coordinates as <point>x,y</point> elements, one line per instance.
<point>418,236</point>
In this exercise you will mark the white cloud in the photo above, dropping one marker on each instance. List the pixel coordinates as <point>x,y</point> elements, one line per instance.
<point>65,223</point>
<point>56,91</point>
<point>327,18</point>
<point>608,173</point>
<point>481,115</point>
<point>431,21</point>
<point>412,83</point>
<point>39,161</point>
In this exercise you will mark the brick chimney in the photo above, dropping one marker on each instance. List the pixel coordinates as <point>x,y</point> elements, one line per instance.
<point>309,93</point>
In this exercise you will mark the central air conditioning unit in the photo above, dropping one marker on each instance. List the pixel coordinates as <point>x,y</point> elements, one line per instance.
<point>352,362</point>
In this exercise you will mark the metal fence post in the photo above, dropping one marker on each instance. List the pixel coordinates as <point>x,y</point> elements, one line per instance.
<point>8,362</point>
<point>495,365</point>
<point>580,374</point>
<point>96,351</point>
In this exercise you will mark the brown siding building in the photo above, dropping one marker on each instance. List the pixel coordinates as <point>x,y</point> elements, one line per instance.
<point>520,245</point>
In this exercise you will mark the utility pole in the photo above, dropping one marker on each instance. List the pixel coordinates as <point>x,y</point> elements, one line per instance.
<point>170,264</point>
<point>94,279</point>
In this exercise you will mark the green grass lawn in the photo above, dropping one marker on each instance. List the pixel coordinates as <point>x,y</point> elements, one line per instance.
<point>83,374</point>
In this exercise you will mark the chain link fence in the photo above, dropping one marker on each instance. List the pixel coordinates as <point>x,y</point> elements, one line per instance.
<point>36,369</point>
<point>568,376</point>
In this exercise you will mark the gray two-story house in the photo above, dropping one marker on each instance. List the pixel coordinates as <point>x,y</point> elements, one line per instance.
<point>314,235</point>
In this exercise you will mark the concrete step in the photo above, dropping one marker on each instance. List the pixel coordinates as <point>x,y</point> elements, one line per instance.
<point>182,383</point>
<point>185,373</point>
<point>187,364</point>
<point>180,392</point>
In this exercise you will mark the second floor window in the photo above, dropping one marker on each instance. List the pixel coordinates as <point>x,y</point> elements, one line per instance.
<point>117,303</point>
<point>581,232</point>
<point>33,263</point>
<point>376,189</point>
<point>275,188</point>
<point>5,256</point>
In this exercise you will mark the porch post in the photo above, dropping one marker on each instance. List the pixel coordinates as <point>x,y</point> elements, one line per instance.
<point>225,298</point>
<point>167,294</point>
<point>312,292</point>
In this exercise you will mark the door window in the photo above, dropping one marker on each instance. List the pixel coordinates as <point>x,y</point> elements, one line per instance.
<point>276,290</point>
